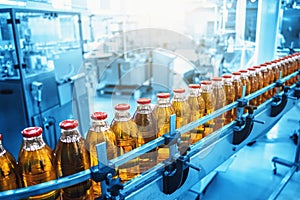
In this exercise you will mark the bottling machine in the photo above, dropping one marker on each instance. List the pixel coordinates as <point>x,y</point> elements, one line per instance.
<point>182,173</point>
<point>38,68</point>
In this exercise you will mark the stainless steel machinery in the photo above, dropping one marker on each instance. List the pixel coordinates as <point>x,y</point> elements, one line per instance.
<point>182,173</point>
<point>40,55</point>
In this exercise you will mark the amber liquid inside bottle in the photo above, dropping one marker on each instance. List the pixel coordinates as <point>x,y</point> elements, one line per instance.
<point>126,136</point>
<point>37,166</point>
<point>254,85</point>
<point>182,111</point>
<point>276,73</point>
<point>100,132</point>
<point>230,95</point>
<point>237,85</point>
<point>271,80</point>
<point>209,100</point>
<point>162,113</point>
<point>246,82</point>
<point>260,85</point>
<point>73,157</point>
<point>197,106</point>
<point>147,127</point>
<point>220,101</point>
<point>266,82</point>
<point>9,173</point>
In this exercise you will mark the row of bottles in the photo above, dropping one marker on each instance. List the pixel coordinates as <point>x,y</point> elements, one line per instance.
<point>37,163</point>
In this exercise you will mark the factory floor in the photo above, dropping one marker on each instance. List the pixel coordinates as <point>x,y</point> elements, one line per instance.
<point>249,173</point>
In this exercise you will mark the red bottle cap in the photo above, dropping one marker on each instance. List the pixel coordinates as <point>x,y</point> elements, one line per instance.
<point>206,82</point>
<point>227,76</point>
<point>216,79</point>
<point>251,69</point>
<point>122,106</point>
<point>268,63</point>
<point>243,70</point>
<point>163,95</point>
<point>68,124</point>
<point>179,90</point>
<point>194,86</point>
<point>0,136</point>
<point>257,67</point>
<point>236,73</point>
<point>32,132</point>
<point>99,115</point>
<point>144,101</point>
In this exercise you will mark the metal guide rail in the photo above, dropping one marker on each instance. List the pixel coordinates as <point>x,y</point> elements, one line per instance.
<point>179,173</point>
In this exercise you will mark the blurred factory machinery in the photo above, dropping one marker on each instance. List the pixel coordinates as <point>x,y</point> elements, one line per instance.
<point>67,59</point>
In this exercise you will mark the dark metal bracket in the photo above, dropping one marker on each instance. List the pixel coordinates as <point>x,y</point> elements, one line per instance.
<point>243,130</point>
<point>176,173</point>
<point>279,103</point>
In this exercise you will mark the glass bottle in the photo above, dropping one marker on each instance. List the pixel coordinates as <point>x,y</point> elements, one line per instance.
<point>183,113</point>
<point>209,100</point>
<point>245,80</point>
<point>260,84</point>
<point>36,162</point>
<point>266,78</point>
<point>99,132</point>
<point>276,72</point>
<point>197,106</point>
<point>253,83</point>
<point>9,176</point>
<point>147,126</point>
<point>72,157</point>
<point>237,85</point>
<point>229,95</point>
<point>162,111</point>
<point>126,134</point>
<point>271,77</point>
<point>220,100</point>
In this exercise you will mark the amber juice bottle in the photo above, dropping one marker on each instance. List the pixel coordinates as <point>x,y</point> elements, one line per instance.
<point>36,162</point>
<point>197,106</point>
<point>229,95</point>
<point>245,80</point>
<point>9,170</point>
<point>260,84</point>
<point>237,85</point>
<point>266,78</point>
<point>254,83</point>
<point>271,77</point>
<point>276,72</point>
<point>126,135</point>
<point>73,157</point>
<point>209,100</point>
<point>220,100</point>
<point>162,111</point>
<point>147,127</point>
<point>183,113</point>
<point>99,132</point>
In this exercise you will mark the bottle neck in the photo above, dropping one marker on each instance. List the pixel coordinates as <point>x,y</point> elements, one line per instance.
<point>194,92</point>
<point>217,84</point>
<point>206,88</point>
<point>227,81</point>
<point>163,102</point>
<point>179,97</point>
<point>122,115</point>
<point>99,125</point>
<point>144,108</point>
<point>236,78</point>
<point>2,150</point>
<point>69,136</point>
<point>244,75</point>
<point>33,143</point>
